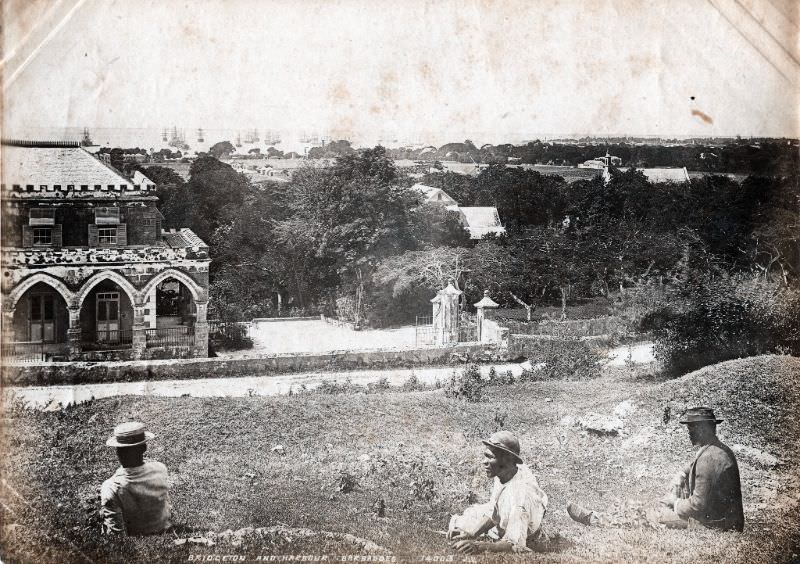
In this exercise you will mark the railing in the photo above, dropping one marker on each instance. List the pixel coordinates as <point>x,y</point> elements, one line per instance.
<point>170,337</point>
<point>423,330</point>
<point>29,351</point>
<point>229,328</point>
<point>425,334</point>
<point>106,339</point>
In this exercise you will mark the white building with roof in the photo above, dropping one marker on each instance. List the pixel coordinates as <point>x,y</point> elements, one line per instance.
<point>434,195</point>
<point>480,221</point>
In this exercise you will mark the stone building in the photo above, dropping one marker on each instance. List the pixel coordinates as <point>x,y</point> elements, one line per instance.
<point>88,272</point>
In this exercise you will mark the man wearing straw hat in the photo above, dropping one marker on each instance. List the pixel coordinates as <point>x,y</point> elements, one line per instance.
<point>513,516</point>
<point>135,500</point>
<point>707,491</point>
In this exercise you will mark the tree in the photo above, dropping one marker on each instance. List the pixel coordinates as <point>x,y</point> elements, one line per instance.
<point>349,216</point>
<point>435,225</point>
<point>221,149</point>
<point>217,191</point>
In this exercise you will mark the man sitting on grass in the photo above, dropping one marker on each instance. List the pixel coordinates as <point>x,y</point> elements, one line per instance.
<point>707,491</point>
<point>513,516</point>
<point>135,500</point>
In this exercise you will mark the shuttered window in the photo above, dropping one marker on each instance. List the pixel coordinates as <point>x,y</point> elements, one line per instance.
<point>33,236</point>
<point>108,236</point>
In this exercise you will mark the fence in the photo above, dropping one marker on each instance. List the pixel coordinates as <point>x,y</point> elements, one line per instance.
<point>230,328</point>
<point>424,333</point>
<point>25,351</point>
<point>170,337</point>
<point>106,339</point>
<point>423,330</point>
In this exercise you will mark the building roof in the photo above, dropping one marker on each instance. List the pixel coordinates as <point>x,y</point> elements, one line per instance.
<point>480,221</point>
<point>666,174</point>
<point>433,194</point>
<point>141,179</point>
<point>183,238</point>
<point>32,168</point>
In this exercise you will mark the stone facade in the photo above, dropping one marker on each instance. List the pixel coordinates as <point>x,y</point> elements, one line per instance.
<point>88,271</point>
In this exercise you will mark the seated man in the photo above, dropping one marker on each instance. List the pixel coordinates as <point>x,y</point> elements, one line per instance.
<point>707,491</point>
<point>515,510</point>
<point>135,500</point>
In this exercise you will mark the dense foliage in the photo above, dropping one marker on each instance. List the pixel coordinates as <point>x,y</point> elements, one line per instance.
<point>351,239</point>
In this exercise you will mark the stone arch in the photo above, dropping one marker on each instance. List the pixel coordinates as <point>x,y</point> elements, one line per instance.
<point>115,277</point>
<point>28,283</point>
<point>198,294</point>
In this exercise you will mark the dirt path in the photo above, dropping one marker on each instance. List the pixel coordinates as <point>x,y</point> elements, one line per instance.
<point>40,397</point>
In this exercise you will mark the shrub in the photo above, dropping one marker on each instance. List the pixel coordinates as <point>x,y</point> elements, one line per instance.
<point>730,318</point>
<point>467,384</point>
<point>412,384</point>
<point>334,387</point>
<point>563,358</point>
<point>382,384</point>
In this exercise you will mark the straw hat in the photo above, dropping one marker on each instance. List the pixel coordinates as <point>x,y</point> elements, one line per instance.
<point>129,434</point>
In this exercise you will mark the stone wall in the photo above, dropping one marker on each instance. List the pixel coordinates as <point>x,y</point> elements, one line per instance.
<point>138,273</point>
<point>85,373</point>
<point>528,346</point>
<point>17,258</point>
<point>570,327</point>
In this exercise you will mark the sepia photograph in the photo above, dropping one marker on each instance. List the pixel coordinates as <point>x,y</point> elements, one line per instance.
<point>400,281</point>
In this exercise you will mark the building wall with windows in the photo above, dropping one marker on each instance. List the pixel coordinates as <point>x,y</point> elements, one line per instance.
<point>88,271</point>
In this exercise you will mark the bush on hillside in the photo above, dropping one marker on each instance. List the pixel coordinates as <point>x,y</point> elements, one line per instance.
<point>730,318</point>
<point>563,358</point>
<point>465,385</point>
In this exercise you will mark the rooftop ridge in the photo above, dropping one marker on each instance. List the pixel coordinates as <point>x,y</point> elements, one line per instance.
<point>39,144</point>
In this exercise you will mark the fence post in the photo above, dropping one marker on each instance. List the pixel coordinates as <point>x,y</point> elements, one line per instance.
<point>139,336</point>
<point>481,306</point>
<point>74,333</point>
<point>200,348</point>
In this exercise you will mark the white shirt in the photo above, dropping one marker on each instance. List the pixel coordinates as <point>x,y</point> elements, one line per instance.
<point>136,500</point>
<point>517,507</point>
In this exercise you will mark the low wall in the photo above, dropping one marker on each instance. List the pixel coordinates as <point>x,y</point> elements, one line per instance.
<point>338,322</point>
<point>570,327</point>
<point>531,346</point>
<point>85,372</point>
<point>282,319</point>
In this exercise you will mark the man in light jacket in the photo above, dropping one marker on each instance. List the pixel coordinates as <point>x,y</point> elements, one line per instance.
<point>135,500</point>
<point>513,515</point>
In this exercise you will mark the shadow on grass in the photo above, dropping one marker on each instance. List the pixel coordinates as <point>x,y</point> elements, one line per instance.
<point>554,542</point>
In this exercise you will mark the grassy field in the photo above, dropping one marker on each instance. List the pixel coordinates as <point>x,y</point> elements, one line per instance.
<point>416,451</point>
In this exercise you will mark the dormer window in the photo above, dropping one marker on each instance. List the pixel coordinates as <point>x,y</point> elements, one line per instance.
<point>70,186</point>
<point>97,187</point>
<point>57,186</point>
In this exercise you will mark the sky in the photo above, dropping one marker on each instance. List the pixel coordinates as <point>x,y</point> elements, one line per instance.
<point>415,70</point>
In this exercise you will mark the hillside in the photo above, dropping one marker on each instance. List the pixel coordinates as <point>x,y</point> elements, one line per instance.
<point>419,453</point>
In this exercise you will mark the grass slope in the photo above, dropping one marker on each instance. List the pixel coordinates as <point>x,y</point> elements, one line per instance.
<point>419,452</point>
